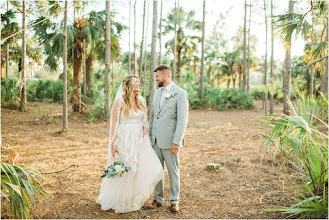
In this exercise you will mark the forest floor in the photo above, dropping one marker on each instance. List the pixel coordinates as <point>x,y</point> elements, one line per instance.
<point>248,177</point>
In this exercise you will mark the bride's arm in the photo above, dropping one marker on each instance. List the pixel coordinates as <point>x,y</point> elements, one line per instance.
<point>115,120</point>
<point>145,121</point>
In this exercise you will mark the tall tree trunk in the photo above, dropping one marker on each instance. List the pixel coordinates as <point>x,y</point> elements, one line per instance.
<point>179,62</point>
<point>248,74</point>
<point>129,54</point>
<point>153,55</point>
<point>272,59</point>
<point>65,116</point>
<point>160,32</point>
<point>240,72</point>
<point>107,61</point>
<point>265,62</point>
<point>228,82</point>
<point>287,71</point>
<point>202,54</point>
<point>84,75</point>
<point>23,94</point>
<point>210,75</point>
<point>234,80</point>
<point>7,51</point>
<point>326,76</point>
<point>89,67</point>
<point>142,45</point>
<point>135,45</point>
<point>145,51</point>
<point>175,42</point>
<point>76,98</point>
<point>244,84</point>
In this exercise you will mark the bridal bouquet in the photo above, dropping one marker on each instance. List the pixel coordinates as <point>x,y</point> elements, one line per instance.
<point>117,169</point>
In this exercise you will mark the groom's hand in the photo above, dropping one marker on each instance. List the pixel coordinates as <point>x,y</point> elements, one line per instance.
<point>174,148</point>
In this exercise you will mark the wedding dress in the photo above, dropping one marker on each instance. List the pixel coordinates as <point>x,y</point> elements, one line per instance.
<point>130,191</point>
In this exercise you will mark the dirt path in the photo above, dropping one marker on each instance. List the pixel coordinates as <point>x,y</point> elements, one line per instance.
<point>239,189</point>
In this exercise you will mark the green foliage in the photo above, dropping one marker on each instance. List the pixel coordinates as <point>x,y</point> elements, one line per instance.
<point>220,99</point>
<point>97,110</point>
<point>45,90</point>
<point>20,186</point>
<point>299,138</point>
<point>10,93</point>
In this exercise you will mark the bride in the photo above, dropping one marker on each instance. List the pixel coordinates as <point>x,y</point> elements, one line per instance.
<point>130,144</point>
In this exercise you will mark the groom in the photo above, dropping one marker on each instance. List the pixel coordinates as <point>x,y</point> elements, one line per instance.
<point>167,127</point>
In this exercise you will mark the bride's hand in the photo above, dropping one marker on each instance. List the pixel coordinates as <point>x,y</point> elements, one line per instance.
<point>114,150</point>
<point>145,132</point>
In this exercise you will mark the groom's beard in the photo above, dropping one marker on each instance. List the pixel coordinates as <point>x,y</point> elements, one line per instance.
<point>160,84</point>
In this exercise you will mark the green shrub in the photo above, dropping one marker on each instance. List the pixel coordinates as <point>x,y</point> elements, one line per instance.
<point>298,138</point>
<point>221,99</point>
<point>10,94</point>
<point>20,186</point>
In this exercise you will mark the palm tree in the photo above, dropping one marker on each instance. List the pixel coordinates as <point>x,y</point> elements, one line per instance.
<point>153,55</point>
<point>83,31</point>
<point>142,44</point>
<point>265,62</point>
<point>185,43</point>
<point>175,40</point>
<point>65,118</point>
<point>23,91</point>
<point>160,28</point>
<point>8,28</point>
<point>202,55</point>
<point>248,74</point>
<point>244,46</point>
<point>272,58</point>
<point>107,60</point>
<point>129,55</point>
<point>287,70</point>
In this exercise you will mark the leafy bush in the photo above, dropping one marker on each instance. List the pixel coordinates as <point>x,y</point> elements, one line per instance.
<point>221,99</point>
<point>306,148</point>
<point>19,186</point>
<point>10,94</point>
<point>45,90</point>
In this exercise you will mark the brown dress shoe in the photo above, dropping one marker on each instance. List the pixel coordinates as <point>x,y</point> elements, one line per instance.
<point>155,204</point>
<point>174,208</point>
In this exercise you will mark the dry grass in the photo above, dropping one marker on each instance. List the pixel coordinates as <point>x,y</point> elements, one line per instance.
<point>238,189</point>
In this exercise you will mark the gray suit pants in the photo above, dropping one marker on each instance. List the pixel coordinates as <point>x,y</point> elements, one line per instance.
<point>172,163</point>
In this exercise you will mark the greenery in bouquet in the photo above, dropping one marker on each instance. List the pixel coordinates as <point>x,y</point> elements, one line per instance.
<point>117,169</point>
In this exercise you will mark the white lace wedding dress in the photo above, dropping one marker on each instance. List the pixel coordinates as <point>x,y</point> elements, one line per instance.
<point>130,191</point>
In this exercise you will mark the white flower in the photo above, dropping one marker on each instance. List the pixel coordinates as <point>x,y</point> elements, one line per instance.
<point>167,96</point>
<point>119,169</point>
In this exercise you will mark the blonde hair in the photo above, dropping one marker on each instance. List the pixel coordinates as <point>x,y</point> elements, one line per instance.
<point>128,95</point>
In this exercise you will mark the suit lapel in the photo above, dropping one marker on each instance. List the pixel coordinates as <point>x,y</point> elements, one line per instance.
<point>157,100</point>
<point>171,91</point>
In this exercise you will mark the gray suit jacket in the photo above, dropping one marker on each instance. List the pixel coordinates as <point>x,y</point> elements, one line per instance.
<point>168,122</point>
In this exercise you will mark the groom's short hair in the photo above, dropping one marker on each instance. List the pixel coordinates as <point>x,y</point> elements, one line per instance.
<point>165,68</point>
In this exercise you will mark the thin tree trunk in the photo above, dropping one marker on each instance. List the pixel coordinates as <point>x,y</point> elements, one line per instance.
<point>244,86</point>
<point>23,95</point>
<point>179,61</point>
<point>287,71</point>
<point>175,43</point>
<point>202,54</point>
<point>160,31</point>
<point>142,44</point>
<point>129,54</point>
<point>272,59</point>
<point>84,75</point>
<point>65,116</point>
<point>7,51</point>
<point>76,98</point>
<point>326,76</point>
<point>107,61</point>
<point>265,62</point>
<point>145,51</point>
<point>135,45</point>
<point>248,75</point>
<point>240,72</point>
<point>89,66</point>
<point>153,55</point>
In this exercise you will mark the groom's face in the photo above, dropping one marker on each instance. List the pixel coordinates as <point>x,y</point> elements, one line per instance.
<point>160,77</point>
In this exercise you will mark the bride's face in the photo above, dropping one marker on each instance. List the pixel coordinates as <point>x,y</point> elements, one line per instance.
<point>136,85</point>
